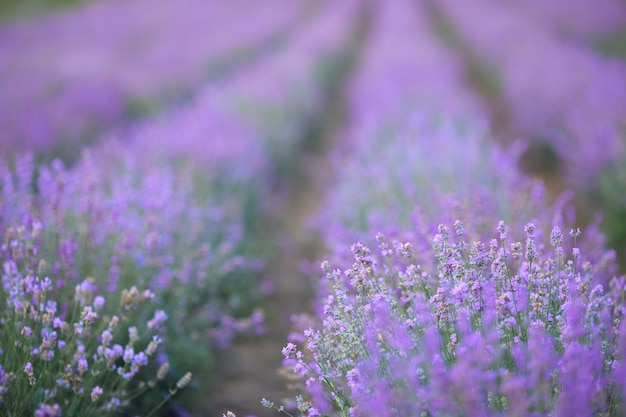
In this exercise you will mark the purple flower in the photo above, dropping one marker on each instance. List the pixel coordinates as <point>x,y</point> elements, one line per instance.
<point>289,350</point>
<point>28,369</point>
<point>96,392</point>
<point>139,360</point>
<point>129,354</point>
<point>26,331</point>
<point>98,302</point>
<point>106,337</point>
<point>509,330</point>
<point>46,410</point>
<point>158,319</point>
<point>82,366</point>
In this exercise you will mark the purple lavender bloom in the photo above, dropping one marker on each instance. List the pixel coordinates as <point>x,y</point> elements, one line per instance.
<point>159,318</point>
<point>46,410</point>
<point>96,392</point>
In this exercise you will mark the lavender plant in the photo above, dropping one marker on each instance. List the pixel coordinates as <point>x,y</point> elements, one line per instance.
<point>69,350</point>
<point>127,227</point>
<point>497,327</point>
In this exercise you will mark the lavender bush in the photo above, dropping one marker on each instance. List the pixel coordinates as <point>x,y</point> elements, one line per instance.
<point>422,171</point>
<point>110,225</point>
<point>497,327</point>
<point>68,350</point>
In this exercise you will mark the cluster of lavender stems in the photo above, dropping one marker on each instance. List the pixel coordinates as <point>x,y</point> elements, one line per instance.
<point>498,327</point>
<point>66,349</point>
<point>69,75</point>
<point>110,231</point>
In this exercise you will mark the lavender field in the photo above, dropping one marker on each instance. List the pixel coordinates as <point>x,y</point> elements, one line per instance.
<point>342,208</point>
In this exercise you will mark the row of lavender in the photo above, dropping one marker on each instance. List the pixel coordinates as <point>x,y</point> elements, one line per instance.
<point>468,293</point>
<point>65,77</point>
<point>580,19</point>
<point>559,92</point>
<point>123,271</point>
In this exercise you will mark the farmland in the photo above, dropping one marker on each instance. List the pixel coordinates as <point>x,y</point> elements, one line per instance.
<point>313,208</point>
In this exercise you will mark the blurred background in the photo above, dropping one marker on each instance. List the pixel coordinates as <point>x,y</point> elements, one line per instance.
<point>75,71</point>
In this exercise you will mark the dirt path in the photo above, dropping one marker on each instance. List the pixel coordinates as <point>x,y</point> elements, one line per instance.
<point>250,368</point>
